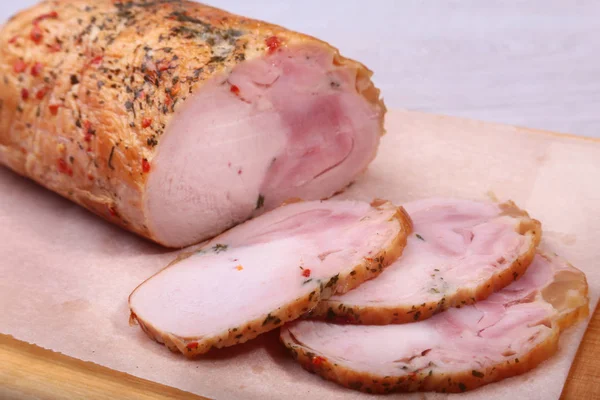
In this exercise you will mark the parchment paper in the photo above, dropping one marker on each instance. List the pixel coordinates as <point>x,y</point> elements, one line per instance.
<point>65,275</point>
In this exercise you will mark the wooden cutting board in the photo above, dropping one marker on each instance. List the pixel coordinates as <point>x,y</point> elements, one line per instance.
<point>28,371</point>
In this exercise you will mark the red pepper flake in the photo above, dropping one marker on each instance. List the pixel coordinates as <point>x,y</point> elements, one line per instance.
<point>239,171</point>
<point>192,346</point>
<point>96,60</point>
<point>145,165</point>
<point>151,77</point>
<point>146,122</point>
<point>36,70</point>
<point>24,94</point>
<point>13,39</point>
<point>87,126</point>
<point>41,93</point>
<point>64,168</point>
<point>50,15</point>
<point>168,101</point>
<point>163,65</point>
<point>36,34</point>
<point>55,48</point>
<point>90,177</point>
<point>175,89</point>
<point>88,138</point>
<point>112,211</point>
<point>273,43</point>
<point>318,361</point>
<point>53,108</point>
<point>235,90</point>
<point>19,66</point>
<point>306,272</point>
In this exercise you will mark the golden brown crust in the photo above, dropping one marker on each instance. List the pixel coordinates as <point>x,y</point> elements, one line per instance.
<point>338,311</point>
<point>338,284</point>
<point>89,87</point>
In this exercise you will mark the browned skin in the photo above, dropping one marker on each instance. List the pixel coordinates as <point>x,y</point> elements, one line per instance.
<point>84,105</point>
<point>333,310</point>
<point>571,311</point>
<point>338,284</point>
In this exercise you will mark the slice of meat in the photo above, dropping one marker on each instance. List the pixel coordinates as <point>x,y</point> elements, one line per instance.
<point>177,120</point>
<point>267,271</point>
<point>461,349</point>
<point>461,251</point>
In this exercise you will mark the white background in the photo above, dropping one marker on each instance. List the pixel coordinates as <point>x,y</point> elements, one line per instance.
<point>533,63</point>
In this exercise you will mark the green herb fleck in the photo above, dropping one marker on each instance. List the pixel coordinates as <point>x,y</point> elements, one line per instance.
<point>260,202</point>
<point>462,386</point>
<point>419,237</point>
<point>417,315</point>
<point>333,280</point>
<point>151,141</point>
<point>330,314</point>
<point>220,247</point>
<point>477,374</point>
<point>270,318</point>
<point>110,157</point>
<point>307,281</point>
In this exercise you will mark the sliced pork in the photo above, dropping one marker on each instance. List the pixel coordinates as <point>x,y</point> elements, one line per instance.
<point>177,120</point>
<point>460,252</point>
<point>267,271</point>
<point>461,349</point>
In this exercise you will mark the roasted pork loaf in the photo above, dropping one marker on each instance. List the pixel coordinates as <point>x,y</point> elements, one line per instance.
<point>177,120</point>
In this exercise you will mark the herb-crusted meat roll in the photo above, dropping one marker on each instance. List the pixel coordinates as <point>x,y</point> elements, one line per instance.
<point>177,120</point>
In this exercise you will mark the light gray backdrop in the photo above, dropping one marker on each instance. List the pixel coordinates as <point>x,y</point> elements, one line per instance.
<point>533,63</point>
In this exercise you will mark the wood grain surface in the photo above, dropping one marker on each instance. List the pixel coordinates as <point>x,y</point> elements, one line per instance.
<point>584,378</point>
<point>30,372</point>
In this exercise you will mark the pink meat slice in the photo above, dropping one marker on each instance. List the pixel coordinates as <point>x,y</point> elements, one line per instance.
<point>267,271</point>
<point>294,124</point>
<point>460,252</point>
<point>509,333</point>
